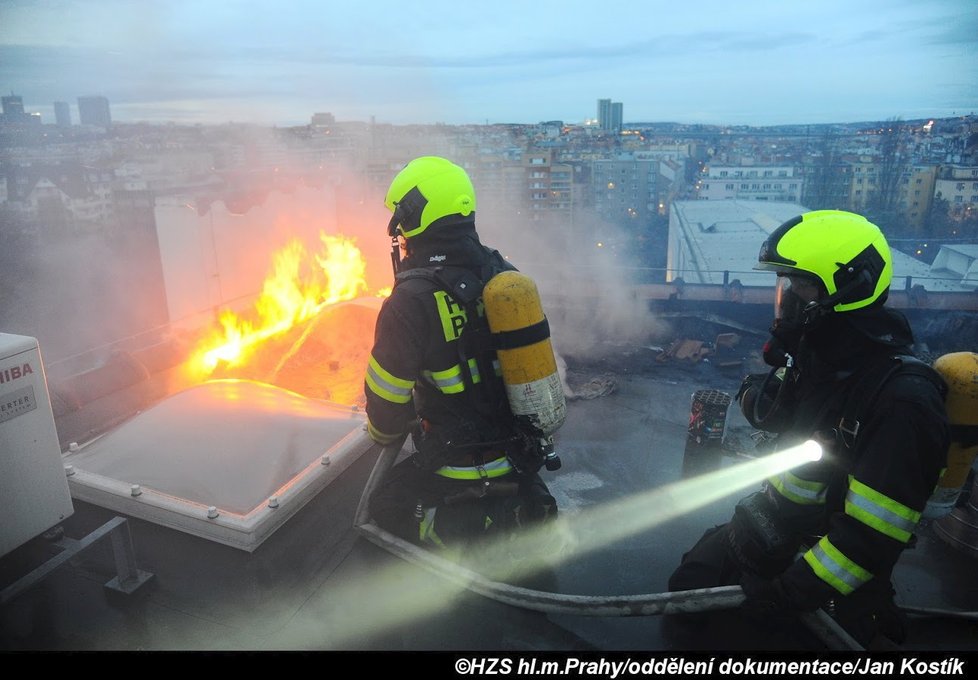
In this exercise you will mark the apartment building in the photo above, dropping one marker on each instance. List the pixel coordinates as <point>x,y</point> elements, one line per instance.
<point>624,189</point>
<point>958,185</point>
<point>750,183</point>
<point>548,187</point>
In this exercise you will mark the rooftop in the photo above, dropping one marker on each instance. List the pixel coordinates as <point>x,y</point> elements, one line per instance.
<point>316,584</point>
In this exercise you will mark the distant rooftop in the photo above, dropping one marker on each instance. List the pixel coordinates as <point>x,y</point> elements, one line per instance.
<point>958,264</point>
<point>708,238</point>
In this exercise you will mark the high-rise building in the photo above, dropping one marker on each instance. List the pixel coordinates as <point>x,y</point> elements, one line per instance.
<point>94,111</point>
<point>13,109</point>
<point>13,106</point>
<point>616,114</point>
<point>609,115</point>
<point>604,113</point>
<point>62,114</point>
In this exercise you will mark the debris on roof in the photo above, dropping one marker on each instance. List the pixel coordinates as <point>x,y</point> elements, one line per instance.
<point>687,350</point>
<point>725,352</point>
<point>598,386</point>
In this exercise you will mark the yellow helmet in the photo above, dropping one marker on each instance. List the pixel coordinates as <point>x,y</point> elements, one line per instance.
<point>428,189</point>
<point>846,252</point>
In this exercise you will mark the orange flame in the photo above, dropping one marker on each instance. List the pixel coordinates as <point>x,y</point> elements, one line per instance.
<point>298,287</point>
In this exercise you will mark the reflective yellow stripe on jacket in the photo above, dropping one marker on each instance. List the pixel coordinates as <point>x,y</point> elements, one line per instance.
<point>880,512</point>
<point>426,530</point>
<point>380,437</point>
<point>798,490</point>
<point>386,385</point>
<point>830,565</point>
<point>450,380</point>
<point>496,468</point>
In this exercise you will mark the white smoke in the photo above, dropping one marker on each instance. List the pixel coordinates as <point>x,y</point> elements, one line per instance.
<point>587,290</point>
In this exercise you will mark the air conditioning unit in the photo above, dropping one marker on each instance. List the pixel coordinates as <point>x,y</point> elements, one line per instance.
<point>33,487</point>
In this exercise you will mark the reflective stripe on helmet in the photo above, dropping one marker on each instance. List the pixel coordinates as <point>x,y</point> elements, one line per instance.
<point>880,512</point>
<point>830,565</point>
<point>387,386</point>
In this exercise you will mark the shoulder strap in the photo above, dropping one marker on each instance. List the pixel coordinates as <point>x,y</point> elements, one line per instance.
<point>464,286</point>
<point>475,342</point>
<point>495,263</point>
<point>869,387</point>
<point>461,283</point>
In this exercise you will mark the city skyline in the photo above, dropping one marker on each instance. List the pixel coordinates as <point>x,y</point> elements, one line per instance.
<point>759,63</point>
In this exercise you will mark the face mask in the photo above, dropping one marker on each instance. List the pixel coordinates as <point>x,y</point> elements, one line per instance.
<point>399,252</point>
<point>794,297</point>
<point>795,312</point>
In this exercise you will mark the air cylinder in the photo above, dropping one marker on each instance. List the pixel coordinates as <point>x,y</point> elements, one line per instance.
<point>521,336</point>
<point>960,372</point>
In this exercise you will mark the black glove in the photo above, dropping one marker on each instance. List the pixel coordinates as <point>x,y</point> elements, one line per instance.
<point>764,596</point>
<point>775,352</point>
<point>760,540</point>
<point>772,599</point>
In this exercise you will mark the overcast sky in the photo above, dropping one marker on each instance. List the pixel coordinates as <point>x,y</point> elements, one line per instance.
<point>456,61</point>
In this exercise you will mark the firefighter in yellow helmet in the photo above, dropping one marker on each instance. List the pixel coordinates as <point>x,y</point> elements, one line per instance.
<point>843,373</point>
<point>433,374</point>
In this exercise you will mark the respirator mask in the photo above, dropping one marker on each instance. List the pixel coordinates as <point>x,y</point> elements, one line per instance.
<point>796,307</point>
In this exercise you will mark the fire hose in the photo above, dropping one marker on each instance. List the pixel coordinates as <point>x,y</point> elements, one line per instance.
<point>940,613</point>
<point>679,602</point>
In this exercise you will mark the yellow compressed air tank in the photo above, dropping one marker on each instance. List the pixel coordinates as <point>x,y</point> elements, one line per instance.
<point>960,372</point>
<point>521,336</point>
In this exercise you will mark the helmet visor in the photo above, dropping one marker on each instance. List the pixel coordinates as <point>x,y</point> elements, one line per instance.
<point>793,294</point>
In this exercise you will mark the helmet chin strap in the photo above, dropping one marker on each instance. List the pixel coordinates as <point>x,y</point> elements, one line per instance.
<point>396,219</point>
<point>395,255</point>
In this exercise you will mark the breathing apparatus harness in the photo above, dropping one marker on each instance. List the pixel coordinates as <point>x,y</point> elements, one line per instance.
<point>759,539</point>
<point>865,393</point>
<point>478,344</point>
<point>526,446</point>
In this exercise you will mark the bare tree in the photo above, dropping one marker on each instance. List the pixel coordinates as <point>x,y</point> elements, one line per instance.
<point>893,163</point>
<point>826,185</point>
<point>938,222</point>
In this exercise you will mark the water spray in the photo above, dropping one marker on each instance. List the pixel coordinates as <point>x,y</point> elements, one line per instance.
<point>642,512</point>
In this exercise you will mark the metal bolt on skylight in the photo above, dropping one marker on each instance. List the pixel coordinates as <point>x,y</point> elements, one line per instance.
<point>273,502</point>
<point>212,512</point>
<point>135,490</point>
